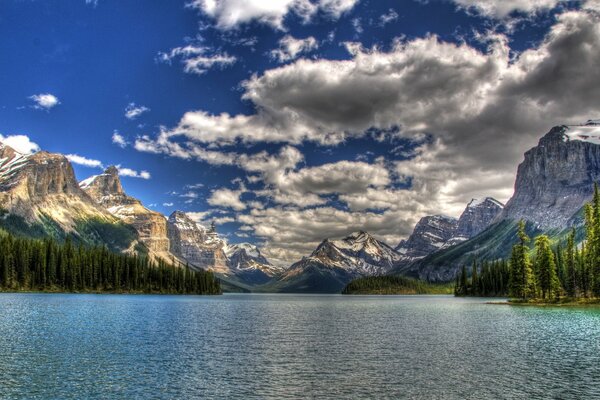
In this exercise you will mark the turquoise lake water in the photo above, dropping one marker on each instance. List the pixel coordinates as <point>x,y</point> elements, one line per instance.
<point>55,346</point>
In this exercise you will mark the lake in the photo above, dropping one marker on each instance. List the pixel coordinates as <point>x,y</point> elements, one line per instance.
<point>69,346</point>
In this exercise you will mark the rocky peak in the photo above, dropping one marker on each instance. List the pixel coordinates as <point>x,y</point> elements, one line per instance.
<point>430,234</point>
<point>41,173</point>
<point>477,216</point>
<point>190,242</point>
<point>556,177</point>
<point>106,184</point>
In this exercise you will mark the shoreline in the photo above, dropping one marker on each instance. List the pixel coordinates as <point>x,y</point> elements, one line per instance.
<point>558,303</point>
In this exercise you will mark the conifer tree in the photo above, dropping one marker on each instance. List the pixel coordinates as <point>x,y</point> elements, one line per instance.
<point>522,283</point>
<point>545,268</point>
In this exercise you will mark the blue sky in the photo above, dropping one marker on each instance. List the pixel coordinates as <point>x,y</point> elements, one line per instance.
<point>296,120</point>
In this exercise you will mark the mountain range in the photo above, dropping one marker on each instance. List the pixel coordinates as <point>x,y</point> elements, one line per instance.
<point>40,196</point>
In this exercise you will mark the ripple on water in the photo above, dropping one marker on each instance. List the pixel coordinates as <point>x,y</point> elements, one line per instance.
<point>293,346</point>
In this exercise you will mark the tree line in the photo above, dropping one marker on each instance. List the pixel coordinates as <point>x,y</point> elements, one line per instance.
<point>563,271</point>
<point>47,265</point>
<point>488,279</point>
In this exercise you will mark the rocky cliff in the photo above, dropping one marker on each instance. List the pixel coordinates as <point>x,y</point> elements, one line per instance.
<point>40,196</point>
<point>557,177</point>
<point>429,235</point>
<point>106,190</point>
<point>477,216</point>
<point>192,243</point>
<point>247,262</point>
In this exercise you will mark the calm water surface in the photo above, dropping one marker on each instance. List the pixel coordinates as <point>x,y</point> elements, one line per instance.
<point>293,346</point>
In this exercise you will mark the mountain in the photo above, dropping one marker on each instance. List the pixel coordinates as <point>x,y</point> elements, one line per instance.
<point>240,264</point>
<point>429,235</point>
<point>106,190</point>
<point>435,232</point>
<point>554,182</point>
<point>477,216</point>
<point>41,197</point>
<point>249,265</point>
<point>557,177</point>
<point>198,247</point>
<point>334,263</point>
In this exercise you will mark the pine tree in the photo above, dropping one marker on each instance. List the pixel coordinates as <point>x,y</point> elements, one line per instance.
<point>545,268</point>
<point>522,283</point>
<point>571,279</point>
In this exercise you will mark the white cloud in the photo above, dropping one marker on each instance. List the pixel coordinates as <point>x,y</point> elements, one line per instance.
<point>197,59</point>
<point>230,14</point>
<point>388,17</point>
<point>481,110</point>
<point>133,173</point>
<point>44,101</point>
<point>290,48</point>
<point>502,9</point>
<point>119,140</point>
<point>168,204</point>
<point>227,198</point>
<point>20,143</point>
<point>132,111</point>
<point>86,162</point>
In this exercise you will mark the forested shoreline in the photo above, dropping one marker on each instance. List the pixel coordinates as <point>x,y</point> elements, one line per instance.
<point>49,266</point>
<point>565,273</point>
<point>393,284</point>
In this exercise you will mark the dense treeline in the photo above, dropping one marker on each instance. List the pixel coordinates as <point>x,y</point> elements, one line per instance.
<point>565,271</point>
<point>487,280</point>
<point>393,284</point>
<point>46,265</point>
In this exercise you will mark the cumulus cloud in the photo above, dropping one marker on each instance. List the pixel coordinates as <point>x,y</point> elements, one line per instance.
<point>230,14</point>
<point>481,109</point>
<point>227,198</point>
<point>132,111</point>
<point>86,162</point>
<point>119,139</point>
<point>133,173</point>
<point>290,48</point>
<point>502,9</point>
<point>44,101</point>
<point>20,143</point>
<point>388,17</point>
<point>197,59</point>
<point>91,163</point>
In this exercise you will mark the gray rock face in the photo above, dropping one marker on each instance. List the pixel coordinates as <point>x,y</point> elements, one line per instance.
<point>430,234</point>
<point>478,215</point>
<point>555,180</point>
<point>193,244</point>
<point>437,232</point>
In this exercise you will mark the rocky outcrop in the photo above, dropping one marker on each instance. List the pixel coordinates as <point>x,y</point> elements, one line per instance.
<point>106,190</point>
<point>556,178</point>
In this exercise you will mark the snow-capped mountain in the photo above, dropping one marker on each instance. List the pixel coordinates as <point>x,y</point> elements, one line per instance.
<point>335,262</point>
<point>107,191</point>
<point>203,248</point>
<point>246,261</point>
